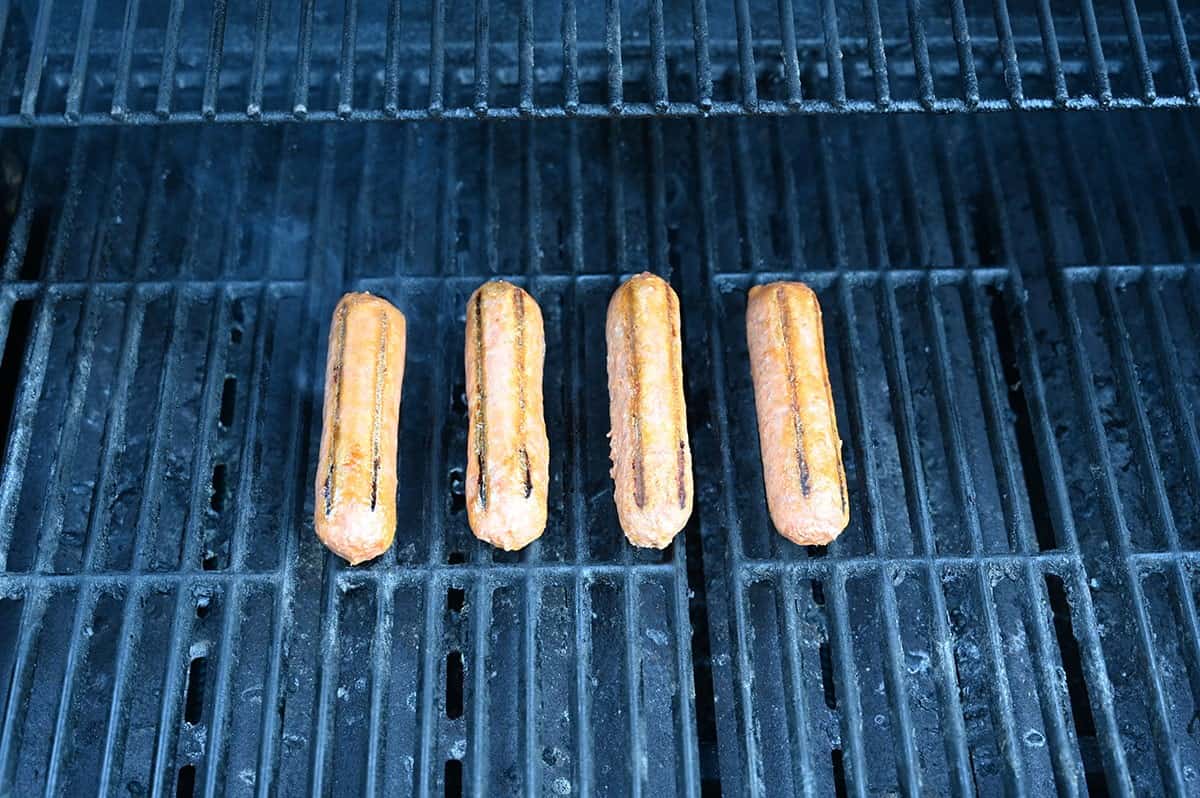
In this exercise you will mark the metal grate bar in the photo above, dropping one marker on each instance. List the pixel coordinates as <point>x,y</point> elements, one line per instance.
<point>877,54</point>
<point>482,55</point>
<point>966,58</point>
<point>704,85</point>
<point>426,707</point>
<point>79,65</point>
<point>327,676</point>
<point>1166,749</point>
<point>437,58</point>
<point>747,70</point>
<point>855,764</point>
<point>304,61</point>
<point>1183,55</point>
<point>791,63</point>
<point>570,37</point>
<point>381,646</point>
<point>690,754</point>
<point>214,752</point>
<point>166,82</point>
<point>920,53</point>
<point>120,99</point>
<point>802,748</point>
<point>631,110</point>
<point>612,46</point>
<point>525,74</point>
<point>391,73</point>
<point>1051,50</point>
<point>658,57</point>
<point>1137,43</point>
<point>480,621</point>
<point>1012,70</point>
<point>1095,51</point>
<point>216,51</point>
<point>258,64</point>
<point>529,684</point>
<point>833,56</point>
<point>37,60</point>
<point>347,59</point>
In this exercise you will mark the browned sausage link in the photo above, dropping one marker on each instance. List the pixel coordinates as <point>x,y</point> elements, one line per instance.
<point>356,474</point>
<point>508,455</point>
<point>652,461</point>
<point>797,425</point>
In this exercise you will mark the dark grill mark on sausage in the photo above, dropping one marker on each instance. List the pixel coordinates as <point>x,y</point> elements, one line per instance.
<point>527,477</point>
<point>480,419</point>
<point>523,455</point>
<point>681,473</point>
<point>335,431</point>
<point>635,388</point>
<point>785,329</point>
<point>677,382</point>
<point>377,418</point>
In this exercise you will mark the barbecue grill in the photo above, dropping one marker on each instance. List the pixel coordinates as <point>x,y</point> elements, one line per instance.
<point>1010,307</point>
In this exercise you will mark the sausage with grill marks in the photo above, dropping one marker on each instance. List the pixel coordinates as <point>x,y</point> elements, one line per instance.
<point>797,425</point>
<point>651,458</point>
<point>356,474</point>
<point>508,455</point>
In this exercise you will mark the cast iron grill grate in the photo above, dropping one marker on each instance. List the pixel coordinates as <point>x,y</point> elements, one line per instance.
<point>1013,607</point>
<point>110,61</point>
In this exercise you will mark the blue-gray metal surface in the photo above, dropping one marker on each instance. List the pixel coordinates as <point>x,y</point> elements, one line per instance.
<point>1012,608</point>
<point>105,62</point>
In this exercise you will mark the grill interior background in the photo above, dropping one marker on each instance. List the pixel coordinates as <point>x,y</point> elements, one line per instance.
<point>1009,303</point>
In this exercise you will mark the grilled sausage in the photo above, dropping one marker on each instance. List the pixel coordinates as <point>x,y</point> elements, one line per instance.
<point>508,456</point>
<point>356,475</point>
<point>797,425</point>
<point>651,459</point>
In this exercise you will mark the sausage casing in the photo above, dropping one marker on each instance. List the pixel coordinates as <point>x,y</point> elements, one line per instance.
<point>356,475</point>
<point>797,424</point>
<point>508,455</point>
<point>651,457</point>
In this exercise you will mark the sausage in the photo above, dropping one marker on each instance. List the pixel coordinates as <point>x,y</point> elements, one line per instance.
<point>797,425</point>
<point>508,456</point>
<point>356,474</point>
<point>651,458</point>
